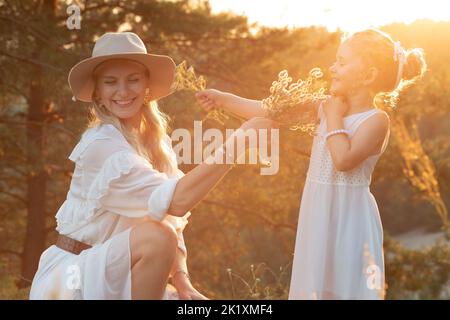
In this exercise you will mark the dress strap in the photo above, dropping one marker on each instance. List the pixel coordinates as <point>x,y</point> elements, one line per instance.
<point>388,134</point>
<point>360,118</point>
<point>366,115</point>
<point>320,112</point>
<point>386,140</point>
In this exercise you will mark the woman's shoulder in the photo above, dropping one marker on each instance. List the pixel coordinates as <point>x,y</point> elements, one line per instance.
<point>100,140</point>
<point>106,131</point>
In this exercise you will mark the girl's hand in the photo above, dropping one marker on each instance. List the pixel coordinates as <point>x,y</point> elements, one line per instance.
<point>335,106</point>
<point>210,99</point>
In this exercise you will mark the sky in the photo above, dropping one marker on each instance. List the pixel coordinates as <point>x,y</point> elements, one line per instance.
<point>348,15</point>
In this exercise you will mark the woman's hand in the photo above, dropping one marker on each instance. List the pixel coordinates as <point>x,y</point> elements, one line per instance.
<point>335,106</point>
<point>257,123</point>
<point>185,289</point>
<point>251,130</point>
<point>210,99</point>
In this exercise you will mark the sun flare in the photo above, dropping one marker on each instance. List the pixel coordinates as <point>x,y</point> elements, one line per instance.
<point>348,15</point>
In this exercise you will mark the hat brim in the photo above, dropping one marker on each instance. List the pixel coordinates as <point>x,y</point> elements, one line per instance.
<point>161,69</point>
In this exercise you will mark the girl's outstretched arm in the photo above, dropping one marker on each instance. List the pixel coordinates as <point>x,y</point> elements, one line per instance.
<point>246,108</point>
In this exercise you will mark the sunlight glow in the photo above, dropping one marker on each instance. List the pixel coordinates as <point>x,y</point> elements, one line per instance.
<point>348,15</point>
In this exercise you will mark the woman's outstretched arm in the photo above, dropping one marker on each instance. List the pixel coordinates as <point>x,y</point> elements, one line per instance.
<point>197,183</point>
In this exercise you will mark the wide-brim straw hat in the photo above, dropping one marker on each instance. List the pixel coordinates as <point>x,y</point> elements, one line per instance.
<point>122,45</point>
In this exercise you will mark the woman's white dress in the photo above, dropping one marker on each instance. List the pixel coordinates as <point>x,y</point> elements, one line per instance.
<point>112,190</point>
<point>339,245</point>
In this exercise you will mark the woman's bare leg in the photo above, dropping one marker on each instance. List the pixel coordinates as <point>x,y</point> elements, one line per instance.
<point>153,247</point>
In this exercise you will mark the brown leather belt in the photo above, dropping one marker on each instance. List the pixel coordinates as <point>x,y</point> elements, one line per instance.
<point>71,245</point>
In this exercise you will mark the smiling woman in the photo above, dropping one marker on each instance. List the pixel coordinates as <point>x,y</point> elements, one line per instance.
<point>119,70</point>
<point>121,226</point>
<point>122,88</point>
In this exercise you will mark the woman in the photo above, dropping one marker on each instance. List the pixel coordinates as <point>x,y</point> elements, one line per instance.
<point>120,228</point>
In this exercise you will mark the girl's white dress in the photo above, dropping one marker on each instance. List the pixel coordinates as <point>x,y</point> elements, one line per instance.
<point>339,245</point>
<point>112,190</point>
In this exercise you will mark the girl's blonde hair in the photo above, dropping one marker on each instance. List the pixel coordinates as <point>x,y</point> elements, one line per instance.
<point>149,142</point>
<point>377,49</point>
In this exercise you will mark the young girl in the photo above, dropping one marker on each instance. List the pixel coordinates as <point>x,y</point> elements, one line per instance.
<point>339,246</point>
<point>120,228</point>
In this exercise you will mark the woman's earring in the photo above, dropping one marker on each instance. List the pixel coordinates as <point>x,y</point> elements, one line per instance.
<point>147,97</point>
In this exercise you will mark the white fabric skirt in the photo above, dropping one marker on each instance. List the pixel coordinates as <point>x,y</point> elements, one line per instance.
<point>339,245</point>
<point>102,272</point>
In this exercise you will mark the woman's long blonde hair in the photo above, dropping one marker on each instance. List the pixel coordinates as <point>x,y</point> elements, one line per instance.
<point>149,141</point>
